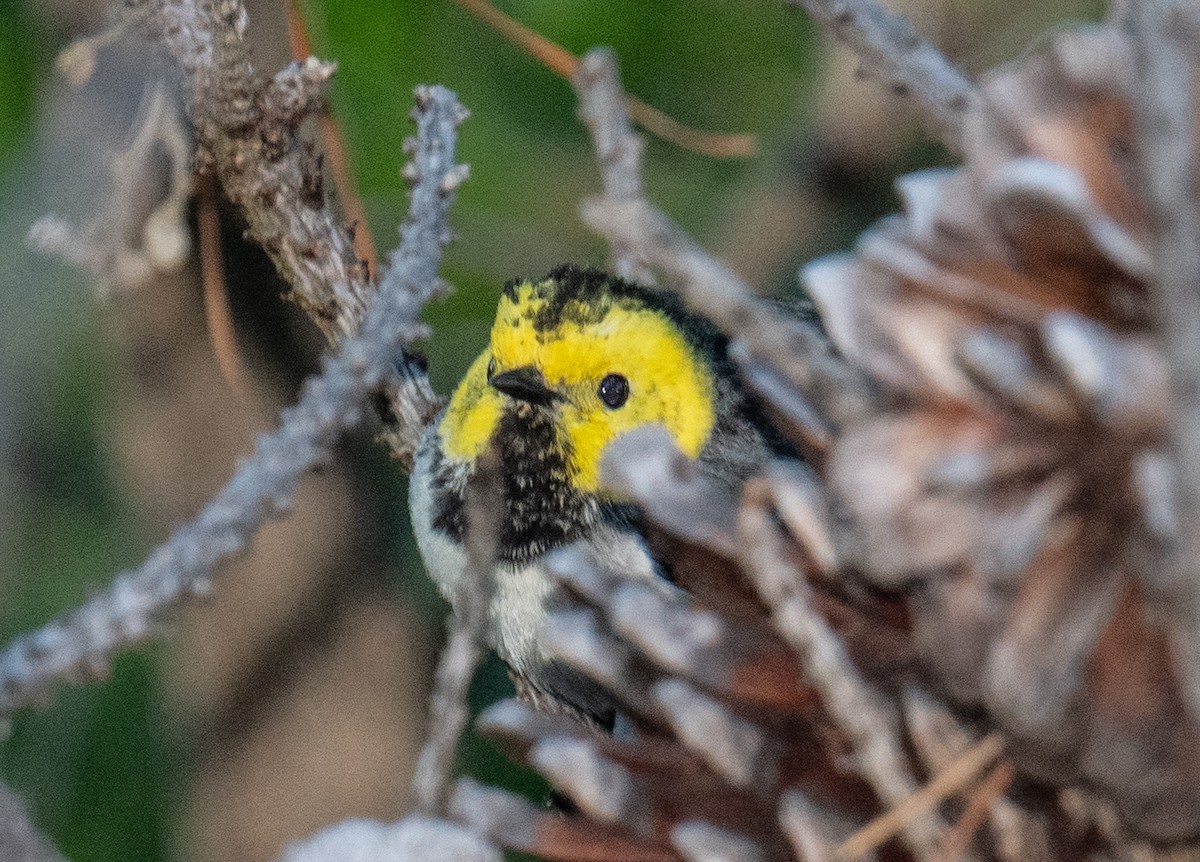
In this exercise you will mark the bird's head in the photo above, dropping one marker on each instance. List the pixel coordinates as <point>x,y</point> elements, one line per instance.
<point>598,357</point>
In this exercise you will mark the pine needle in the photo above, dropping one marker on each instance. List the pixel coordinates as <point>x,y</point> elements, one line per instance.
<point>563,63</point>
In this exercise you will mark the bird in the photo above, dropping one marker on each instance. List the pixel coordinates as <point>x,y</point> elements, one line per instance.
<point>574,360</point>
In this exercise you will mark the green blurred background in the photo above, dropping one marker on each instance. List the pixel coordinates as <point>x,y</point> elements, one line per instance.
<point>108,768</point>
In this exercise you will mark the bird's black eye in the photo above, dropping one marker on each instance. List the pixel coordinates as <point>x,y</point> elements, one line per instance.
<point>614,390</point>
<point>491,369</point>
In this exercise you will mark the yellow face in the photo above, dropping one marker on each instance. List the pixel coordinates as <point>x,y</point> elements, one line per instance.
<point>580,350</point>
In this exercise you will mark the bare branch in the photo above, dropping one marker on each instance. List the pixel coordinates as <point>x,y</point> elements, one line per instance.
<point>249,134</point>
<point>618,150</point>
<point>411,400</point>
<point>634,228</point>
<point>891,49</point>
<point>448,709</point>
<point>128,240</point>
<point>127,613</point>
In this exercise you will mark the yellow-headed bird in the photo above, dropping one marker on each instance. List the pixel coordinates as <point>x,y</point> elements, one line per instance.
<point>575,360</point>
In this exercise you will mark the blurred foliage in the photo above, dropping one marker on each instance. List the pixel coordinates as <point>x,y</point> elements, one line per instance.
<point>17,63</point>
<point>531,159</point>
<point>95,767</point>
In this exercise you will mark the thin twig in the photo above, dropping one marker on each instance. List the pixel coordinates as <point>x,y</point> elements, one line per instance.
<point>948,781</point>
<point>412,839</point>
<point>411,399</point>
<point>890,48</point>
<point>449,712</point>
<point>1166,38</point>
<point>618,149</point>
<point>978,807</point>
<point>127,613</point>
<point>248,134</point>
<point>634,228</point>
<point>1019,834</point>
<point>862,714</point>
<point>563,62</point>
<point>217,313</point>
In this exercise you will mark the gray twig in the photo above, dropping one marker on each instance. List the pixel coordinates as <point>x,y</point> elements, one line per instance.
<point>449,711</point>
<point>1166,37</point>
<point>602,108</point>
<point>81,643</point>
<point>635,228</point>
<point>869,722</point>
<point>890,48</point>
<point>411,399</point>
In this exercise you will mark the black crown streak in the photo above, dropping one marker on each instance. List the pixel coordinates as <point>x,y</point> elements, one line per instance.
<point>584,295</point>
<point>544,511</point>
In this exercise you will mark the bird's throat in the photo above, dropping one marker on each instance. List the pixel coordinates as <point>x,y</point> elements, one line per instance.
<point>543,508</point>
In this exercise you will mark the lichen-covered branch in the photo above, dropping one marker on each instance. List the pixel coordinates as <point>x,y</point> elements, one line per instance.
<point>82,643</point>
<point>249,135</point>
<point>891,49</point>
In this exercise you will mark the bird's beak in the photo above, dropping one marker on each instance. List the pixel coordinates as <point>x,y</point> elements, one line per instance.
<point>525,384</point>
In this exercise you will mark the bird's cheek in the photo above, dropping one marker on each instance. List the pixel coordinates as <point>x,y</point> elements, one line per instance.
<point>469,424</point>
<point>587,433</point>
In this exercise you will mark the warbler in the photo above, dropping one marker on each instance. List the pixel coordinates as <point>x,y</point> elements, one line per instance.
<point>574,361</point>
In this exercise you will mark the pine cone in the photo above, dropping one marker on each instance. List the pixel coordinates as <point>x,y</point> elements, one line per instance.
<point>1018,488</point>
<point>971,565</point>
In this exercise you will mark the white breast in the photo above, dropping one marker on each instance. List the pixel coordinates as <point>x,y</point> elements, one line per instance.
<point>522,592</point>
<point>445,559</point>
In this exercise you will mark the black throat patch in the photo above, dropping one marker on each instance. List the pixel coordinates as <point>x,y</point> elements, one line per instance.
<point>543,510</point>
